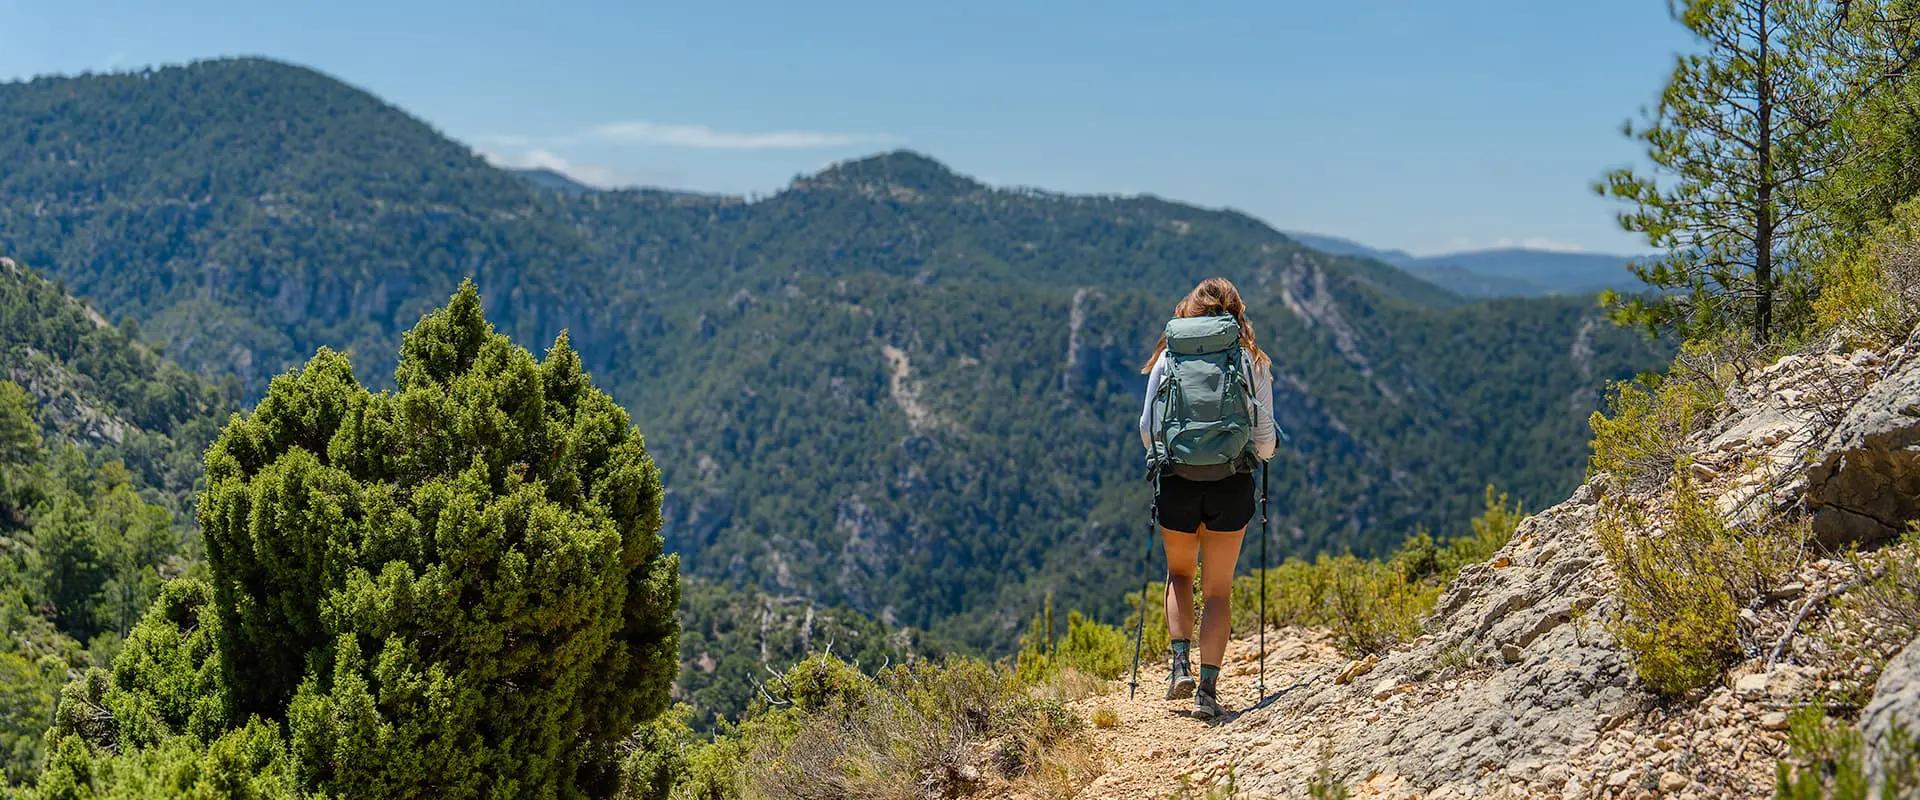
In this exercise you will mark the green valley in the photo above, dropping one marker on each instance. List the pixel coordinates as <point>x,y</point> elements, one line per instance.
<point>888,386</point>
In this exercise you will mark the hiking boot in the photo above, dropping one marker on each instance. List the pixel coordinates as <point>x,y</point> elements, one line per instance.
<point>1180,683</point>
<point>1205,705</point>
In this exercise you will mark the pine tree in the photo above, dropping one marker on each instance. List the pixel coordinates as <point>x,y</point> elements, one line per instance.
<point>1741,133</point>
<point>1877,44</point>
<point>453,590</point>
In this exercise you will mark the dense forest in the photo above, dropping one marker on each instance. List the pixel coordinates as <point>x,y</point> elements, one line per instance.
<point>925,406</point>
<point>100,443</point>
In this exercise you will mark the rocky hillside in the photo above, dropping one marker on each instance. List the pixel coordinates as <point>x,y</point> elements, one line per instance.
<point>1522,686</point>
<point>97,386</point>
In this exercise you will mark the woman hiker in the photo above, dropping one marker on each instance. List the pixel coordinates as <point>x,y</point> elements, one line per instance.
<point>1203,509</point>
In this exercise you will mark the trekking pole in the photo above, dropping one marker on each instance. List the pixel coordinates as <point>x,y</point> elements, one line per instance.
<point>1146,569</point>
<point>1262,685</point>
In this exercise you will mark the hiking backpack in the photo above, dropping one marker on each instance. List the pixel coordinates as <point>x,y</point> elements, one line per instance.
<point>1201,424</point>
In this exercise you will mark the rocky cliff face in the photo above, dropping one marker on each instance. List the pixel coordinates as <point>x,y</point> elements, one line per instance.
<point>1518,688</point>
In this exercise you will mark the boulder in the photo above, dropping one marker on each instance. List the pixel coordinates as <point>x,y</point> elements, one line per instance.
<point>1864,482</point>
<point>1896,697</point>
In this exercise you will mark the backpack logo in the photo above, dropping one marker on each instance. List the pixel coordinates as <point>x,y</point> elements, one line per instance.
<point>1202,410</point>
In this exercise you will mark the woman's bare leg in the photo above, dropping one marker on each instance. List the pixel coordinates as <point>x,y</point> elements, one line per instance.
<point>1183,552</point>
<point>1219,551</point>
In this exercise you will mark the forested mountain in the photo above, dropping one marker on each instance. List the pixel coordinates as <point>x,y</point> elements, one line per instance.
<point>888,385</point>
<point>1550,272</point>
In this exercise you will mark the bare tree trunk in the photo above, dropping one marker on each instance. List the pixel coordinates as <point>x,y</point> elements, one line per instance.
<point>1763,222</point>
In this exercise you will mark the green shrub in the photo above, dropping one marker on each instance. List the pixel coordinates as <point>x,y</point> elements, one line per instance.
<point>1827,760</point>
<point>1682,583</point>
<point>656,756</point>
<point>1093,648</point>
<point>1873,291</point>
<point>251,762</point>
<point>1076,664</point>
<point>822,681</point>
<point>1645,438</point>
<point>1324,786</point>
<point>453,589</point>
<point>1492,530</point>
<point>1890,599</point>
<point>1371,605</point>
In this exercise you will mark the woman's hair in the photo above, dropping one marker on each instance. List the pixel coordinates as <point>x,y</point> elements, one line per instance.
<point>1214,297</point>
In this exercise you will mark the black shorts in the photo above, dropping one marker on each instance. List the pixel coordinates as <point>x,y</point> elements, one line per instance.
<point>1224,505</point>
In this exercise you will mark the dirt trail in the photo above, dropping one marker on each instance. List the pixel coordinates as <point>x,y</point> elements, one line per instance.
<point>1156,743</point>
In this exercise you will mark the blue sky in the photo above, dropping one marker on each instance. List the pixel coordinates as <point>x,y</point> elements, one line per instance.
<point>1411,124</point>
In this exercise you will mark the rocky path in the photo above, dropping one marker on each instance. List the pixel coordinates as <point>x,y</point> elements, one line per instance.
<point>1156,748</point>
<point>1517,688</point>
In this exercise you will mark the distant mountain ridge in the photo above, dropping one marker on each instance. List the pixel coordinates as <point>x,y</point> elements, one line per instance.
<point>1498,272</point>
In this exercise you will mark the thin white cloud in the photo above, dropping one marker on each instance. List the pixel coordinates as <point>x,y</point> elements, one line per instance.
<point>1461,244</point>
<point>1541,243</point>
<point>590,174</point>
<point>657,134</point>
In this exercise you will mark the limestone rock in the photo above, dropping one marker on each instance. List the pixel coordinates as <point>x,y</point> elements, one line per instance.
<point>1895,697</point>
<point>1621,778</point>
<point>1355,669</point>
<point>1787,591</point>
<point>1864,483</point>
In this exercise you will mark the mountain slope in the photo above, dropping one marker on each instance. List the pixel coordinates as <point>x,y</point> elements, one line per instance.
<point>888,385</point>
<point>97,387</point>
<point>549,179</point>
<point>1348,247</point>
<point>1473,284</point>
<point>246,211</point>
<point>1553,272</point>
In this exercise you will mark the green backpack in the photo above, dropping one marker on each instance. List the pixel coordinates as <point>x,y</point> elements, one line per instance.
<point>1200,421</point>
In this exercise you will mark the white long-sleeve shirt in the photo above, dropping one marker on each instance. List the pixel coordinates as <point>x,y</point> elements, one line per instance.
<point>1264,439</point>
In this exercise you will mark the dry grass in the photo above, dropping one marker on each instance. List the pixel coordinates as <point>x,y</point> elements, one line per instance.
<point>1069,685</point>
<point>949,730</point>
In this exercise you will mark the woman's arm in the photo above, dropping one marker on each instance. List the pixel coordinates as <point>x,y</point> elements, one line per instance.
<point>1265,441</point>
<point>1154,379</point>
